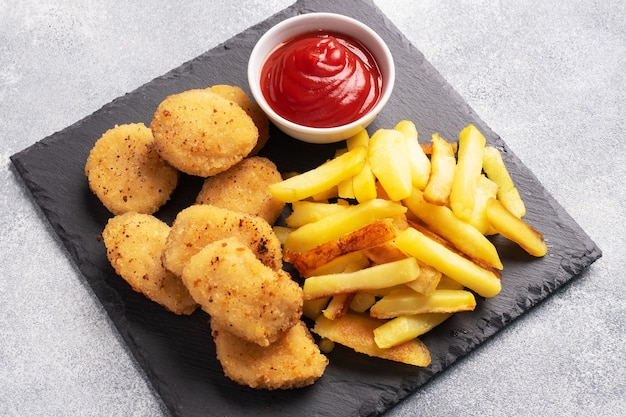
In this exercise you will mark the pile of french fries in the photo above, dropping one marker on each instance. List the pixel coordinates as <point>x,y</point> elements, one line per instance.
<point>391,236</point>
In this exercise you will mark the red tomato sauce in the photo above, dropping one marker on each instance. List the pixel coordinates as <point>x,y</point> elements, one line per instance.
<point>321,79</point>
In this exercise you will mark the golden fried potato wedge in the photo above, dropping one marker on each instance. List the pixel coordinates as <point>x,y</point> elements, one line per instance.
<point>419,162</point>
<point>336,225</point>
<point>304,212</point>
<point>485,190</point>
<point>378,276</point>
<point>338,306</point>
<point>462,235</point>
<point>356,331</point>
<point>389,159</point>
<point>373,234</point>
<point>443,164</point>
<point>322,178</point>
<point>349,262</point>
<point>404,328</point>
<point>496,170</point>
<point>483,281</point>
<point>408,302</point>
<point>515,229</point>
<point>468,169</point>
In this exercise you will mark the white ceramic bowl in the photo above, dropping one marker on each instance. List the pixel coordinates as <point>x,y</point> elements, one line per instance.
<point>311,22</point>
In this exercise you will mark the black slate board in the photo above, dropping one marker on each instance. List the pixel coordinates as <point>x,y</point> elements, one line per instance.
<point>177,353</point>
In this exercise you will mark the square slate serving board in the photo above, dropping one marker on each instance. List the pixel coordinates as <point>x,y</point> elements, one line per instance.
<point>177,353</point>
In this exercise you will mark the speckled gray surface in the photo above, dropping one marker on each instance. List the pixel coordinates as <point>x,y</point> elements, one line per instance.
<point>546,76</point>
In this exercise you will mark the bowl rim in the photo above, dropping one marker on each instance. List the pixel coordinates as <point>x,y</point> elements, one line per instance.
<point>254,71</point>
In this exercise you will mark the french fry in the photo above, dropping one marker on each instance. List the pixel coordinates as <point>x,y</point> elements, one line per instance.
<point>386,252</point>
<point>304,212</point>
<point>338,306</point>
<point>462,235</point>
<point>322,178</point>
<point>468,169</point>
<point>364,182</point>
<point>427,148</point>
<point>419,162</point>
<point>427,280</point>
<point>443,164</point>
<point>389,160</point>
<point>378,276</point>
<point>349,262</point>
<point>408,302</point>
<point>362,301</point>
<point>496,170</point>
<point>485,190</point>
<point>313,308</point>
<point>447,283</point>
<point>404,328</point>
<point>482,281</point>
<point>515,229</point>
<point>373,234</point>
<point>356,331</point>
<point>336,225</point>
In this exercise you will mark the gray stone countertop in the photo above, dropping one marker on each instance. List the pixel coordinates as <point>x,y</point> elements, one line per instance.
<point>548,76</point>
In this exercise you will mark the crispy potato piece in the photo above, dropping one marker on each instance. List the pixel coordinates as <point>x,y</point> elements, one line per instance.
<point>482,281</point>
<point>349,262</point>
<point>386,252</point>
<point>427,148</point>
<point>420,164</point>
<point>447,283</point>
<point>462,235</point>
<point>370,235</point>
<point>336,225</point>
<point>126,173</point>
<point>356,331</point>
<point>313,308</point>
<point>198,225</point>
<point>245,187</point>
<point>515,229</point>
<point>389,159</point>
<point>404,328</point>
<point>468,169</point>
<point>496,170</point>
<point>322,178</point>
<point>378,276</point>
<point>134,244</point>
<point>486,189</point>
<point>240,293</point>
<point>293,361</point>
<point>427,280</point>
<point>304,212</point>
<point>443,164</point>
<point>408,302</point>
<point>362,301</point>
<point>338,306</point>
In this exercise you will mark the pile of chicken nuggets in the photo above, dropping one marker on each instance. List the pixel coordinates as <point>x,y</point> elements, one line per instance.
<point>221,253</point>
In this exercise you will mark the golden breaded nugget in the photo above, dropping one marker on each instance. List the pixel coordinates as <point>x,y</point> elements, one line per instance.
<point>126,172</point>
<point>134,244</point>
<point>202,133</point>
<point>198,225</point>
<point>236,94</point>
<point>245,188</point>
<point>254,302</point>
<point>294,361</point>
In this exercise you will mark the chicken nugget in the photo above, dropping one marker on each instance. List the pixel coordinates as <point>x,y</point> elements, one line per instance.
<point>293,361</point>
<point>236,94</point>
<point>134,244</point>
<point>202,133</point>
<point>245,188</point>
<point>126,173</point>
<point>198,225</point>
<point>251,300</point>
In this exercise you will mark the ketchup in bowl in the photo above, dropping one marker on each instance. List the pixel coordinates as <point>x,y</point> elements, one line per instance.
<point>321,79</point>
